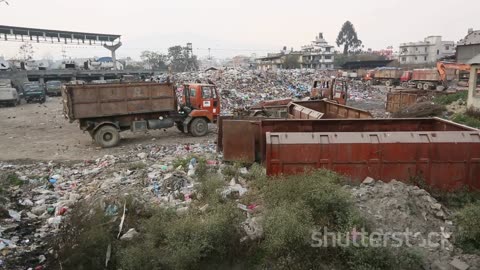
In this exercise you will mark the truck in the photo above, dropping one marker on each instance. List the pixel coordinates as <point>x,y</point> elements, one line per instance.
<point>8,95</point>
<point>426,78</point>
<point>387,76</point>
<point>34,92</point>
<point>333,89</point>
<point>53,88</point>
<point>105,110</point>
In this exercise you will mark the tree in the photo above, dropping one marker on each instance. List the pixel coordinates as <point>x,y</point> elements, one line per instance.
<point>181,60</point>
<point>348,38</point>
<point>292,61</point>
<point>25,52</point>
<point>155,60</point>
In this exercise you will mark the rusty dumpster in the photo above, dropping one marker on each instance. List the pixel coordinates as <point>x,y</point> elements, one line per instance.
<point>401,99</point>
<point>446,155</point>
<point>243,138</point>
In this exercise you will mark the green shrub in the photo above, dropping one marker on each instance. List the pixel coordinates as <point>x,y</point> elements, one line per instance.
<point>450,98</point>
<point>469,226</point>
<point>465,119</point>
<point>330,205</point>
<point>137,166</point>
<point>370,258</point>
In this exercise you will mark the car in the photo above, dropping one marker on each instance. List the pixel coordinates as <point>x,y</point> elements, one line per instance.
<point>34,92</point>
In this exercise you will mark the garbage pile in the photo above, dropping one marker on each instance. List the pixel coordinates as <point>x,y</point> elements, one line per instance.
<point>396,207</point>
<point>240,87</point>
<point>37,197</point>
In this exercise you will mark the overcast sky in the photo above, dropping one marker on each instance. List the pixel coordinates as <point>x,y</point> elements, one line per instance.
<point>234,27</point>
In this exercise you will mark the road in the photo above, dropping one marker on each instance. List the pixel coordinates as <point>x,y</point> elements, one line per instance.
<point>40,132</point>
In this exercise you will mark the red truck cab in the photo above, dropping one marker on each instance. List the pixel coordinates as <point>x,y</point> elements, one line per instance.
<point>203,99</point>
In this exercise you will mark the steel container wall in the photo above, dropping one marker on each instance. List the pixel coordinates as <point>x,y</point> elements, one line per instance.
<point>103,100</point>
<point>447,160</point>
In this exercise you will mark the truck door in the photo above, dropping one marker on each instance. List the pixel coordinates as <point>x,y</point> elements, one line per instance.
<point>210,100</point>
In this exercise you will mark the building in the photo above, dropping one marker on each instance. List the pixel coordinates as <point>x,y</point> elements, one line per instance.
<point>426,52</point>
<point>469,47</point>
<point>272,61</point>
<point>318,55</point>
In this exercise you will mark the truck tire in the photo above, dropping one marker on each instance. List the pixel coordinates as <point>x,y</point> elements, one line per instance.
<point>419,86</point>
<point>426,86</point>
<point>388,83</point>
<point>199,127</point>
<point>405,84</point>
<point>107,136</point>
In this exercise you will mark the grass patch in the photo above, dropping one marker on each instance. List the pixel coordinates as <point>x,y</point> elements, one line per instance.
<point>466,119</point>
<point>450,98</point>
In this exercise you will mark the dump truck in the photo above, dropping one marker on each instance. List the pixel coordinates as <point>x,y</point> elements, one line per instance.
<point>444,154</point>
<point>426,78</point>
<point>386,76</point>
<point>333,89</point>
<point>104,110</point>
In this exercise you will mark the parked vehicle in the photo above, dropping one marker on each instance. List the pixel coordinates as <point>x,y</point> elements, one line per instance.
<point>8,95</point>
<point>34,92</point>
<point>104,110</point>
<point>54,88</point>
<point>333,89</point>
<point>386,76</point>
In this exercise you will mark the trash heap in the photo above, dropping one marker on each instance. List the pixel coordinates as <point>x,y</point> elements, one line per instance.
<point>396,206</point>
<point>37,197</point>
<point>241,87</point>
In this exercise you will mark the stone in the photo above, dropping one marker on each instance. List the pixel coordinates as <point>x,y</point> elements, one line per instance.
<point>142,155</point>
<point>436,206</point>
<point>368,181</point>
<point>129,235</point>
<point>458,264</point>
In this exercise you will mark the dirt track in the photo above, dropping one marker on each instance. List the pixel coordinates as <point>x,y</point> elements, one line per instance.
<point>40,132</point>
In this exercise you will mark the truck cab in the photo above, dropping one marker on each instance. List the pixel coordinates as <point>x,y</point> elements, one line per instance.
<point>334,89</point>
<point>202,99</point>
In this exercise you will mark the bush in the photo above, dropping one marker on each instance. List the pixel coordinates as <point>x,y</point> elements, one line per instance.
<point>466,119</point>
<point>329,204</point>
<point>469,226</point>
<point>450,98</point>
<point>370,258</point>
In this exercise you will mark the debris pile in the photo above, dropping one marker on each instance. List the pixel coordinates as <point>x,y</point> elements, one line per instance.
<point>396,207</point>
<point>36,197</point>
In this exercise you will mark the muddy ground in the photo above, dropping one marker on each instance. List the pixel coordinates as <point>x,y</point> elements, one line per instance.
<point>40,132</point>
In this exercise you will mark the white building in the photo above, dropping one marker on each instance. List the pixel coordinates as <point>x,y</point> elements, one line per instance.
<point>425,52</point>
<point>318,55</point>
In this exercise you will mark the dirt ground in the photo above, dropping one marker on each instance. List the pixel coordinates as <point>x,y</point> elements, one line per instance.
<point>40,132</point>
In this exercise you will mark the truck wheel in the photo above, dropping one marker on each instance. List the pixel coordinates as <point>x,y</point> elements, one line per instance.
<point>426,86</point>
<point>107,136</point>
<point>405,84</point>
<point>388,83</point>
<point>199,127</point>
<point>419,86</point>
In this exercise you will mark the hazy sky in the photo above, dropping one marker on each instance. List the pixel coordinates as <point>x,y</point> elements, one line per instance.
<point>233,27</point>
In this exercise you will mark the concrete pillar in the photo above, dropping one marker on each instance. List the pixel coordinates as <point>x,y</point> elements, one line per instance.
<point>113,48</point>
<point>473,98</point>
<point>41,80</point>
<point>102,78</point>
<point>73,78</point>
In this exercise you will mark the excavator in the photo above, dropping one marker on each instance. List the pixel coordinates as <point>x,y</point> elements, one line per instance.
<point>442,70</point>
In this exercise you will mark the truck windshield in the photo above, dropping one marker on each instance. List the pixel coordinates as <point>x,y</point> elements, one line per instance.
<point>32,88</point>
<point>54,84</point>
